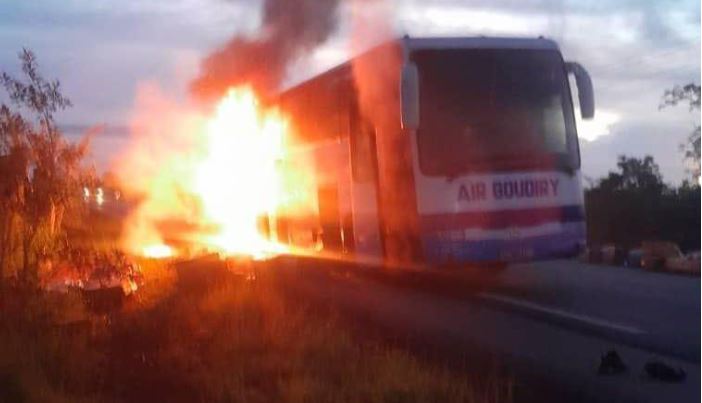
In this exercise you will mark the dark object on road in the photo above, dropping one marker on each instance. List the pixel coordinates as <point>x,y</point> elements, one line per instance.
<point>664,372</point>
<point>611,364</point>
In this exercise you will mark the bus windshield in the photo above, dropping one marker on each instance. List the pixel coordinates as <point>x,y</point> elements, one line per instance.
<point>494,109</point>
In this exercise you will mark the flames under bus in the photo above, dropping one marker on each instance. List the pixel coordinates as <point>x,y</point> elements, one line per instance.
<point>442,151</point>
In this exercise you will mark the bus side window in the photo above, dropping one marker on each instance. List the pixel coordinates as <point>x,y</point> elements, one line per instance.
<point>362,133</point>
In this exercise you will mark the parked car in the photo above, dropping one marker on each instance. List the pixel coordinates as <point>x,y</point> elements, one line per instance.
<point>689,263</point>
<point>656,253</point>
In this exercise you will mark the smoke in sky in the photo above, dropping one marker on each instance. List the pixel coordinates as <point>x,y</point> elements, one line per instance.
<point>289,30</point>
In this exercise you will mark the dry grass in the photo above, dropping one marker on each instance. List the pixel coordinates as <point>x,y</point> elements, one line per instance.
<point>240,341</point>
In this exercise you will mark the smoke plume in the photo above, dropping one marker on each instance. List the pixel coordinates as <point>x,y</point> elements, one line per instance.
<point>289,29</point>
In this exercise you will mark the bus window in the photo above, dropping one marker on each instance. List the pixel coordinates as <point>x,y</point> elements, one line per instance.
<point>493,109</point>
<point>554,131</point>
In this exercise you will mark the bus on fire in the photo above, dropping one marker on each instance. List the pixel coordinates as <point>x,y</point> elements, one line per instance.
<point>463,151</point>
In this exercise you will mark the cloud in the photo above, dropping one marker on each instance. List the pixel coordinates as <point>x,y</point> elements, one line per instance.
<point>634,49</point>
<point>100,53</point>
<point>636,140</point>
<point>600,125</point>
<point>454,19</point>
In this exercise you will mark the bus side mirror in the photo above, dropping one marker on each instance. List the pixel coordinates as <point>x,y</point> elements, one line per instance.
<point>586,95</point>
<point>409,96</point>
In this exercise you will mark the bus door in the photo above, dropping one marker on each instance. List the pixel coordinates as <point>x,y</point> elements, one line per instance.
<point>333,197</point>
<point>328,199</point>
<point>364,189</point>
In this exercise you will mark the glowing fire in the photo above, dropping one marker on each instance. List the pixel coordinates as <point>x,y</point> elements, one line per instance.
<point>238,181</point>
<point>157,251</point>
<point>217,174</point>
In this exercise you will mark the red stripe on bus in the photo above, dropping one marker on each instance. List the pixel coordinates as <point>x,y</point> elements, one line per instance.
<point>501,219</point>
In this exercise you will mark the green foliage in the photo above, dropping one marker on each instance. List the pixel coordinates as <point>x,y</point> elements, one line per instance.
<point>40,172</point>
<point>634,205</point>
<point>690,94</point>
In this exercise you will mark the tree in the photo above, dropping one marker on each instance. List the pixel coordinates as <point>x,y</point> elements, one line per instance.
<point>690,94</point>
<point>635,174</point>
<point>633,204</point>
<point>42,173</point>
<point>620,208</point>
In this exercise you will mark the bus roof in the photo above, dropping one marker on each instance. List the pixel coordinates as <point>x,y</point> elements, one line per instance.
<point>479,42</point>
<point>427,43</point>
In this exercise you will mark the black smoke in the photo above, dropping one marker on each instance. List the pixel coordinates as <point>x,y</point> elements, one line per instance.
<point>289,30</point>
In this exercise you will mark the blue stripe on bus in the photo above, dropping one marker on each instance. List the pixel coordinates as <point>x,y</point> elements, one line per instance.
<point>566,243</point>
<point>501,219</point>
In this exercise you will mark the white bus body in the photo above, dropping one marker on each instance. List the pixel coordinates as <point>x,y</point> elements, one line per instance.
<point>468,155</point>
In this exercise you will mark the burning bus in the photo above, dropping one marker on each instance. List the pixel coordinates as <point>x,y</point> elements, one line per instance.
<point>442,151</point>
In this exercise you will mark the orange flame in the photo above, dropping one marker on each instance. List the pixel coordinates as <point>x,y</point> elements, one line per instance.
<point>218,178</point>
<point>238,181</point>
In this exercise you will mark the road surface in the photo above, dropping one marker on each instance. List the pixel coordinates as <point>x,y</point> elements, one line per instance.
<point>549,323</point>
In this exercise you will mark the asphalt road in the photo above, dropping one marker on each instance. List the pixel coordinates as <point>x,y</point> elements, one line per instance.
<point>549,323</point>
<point>656,311</point>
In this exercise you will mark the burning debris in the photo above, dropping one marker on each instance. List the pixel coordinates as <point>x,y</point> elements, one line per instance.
<point>89,270</point>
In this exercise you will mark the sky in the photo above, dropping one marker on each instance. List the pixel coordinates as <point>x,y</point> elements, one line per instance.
<point>103,51</point>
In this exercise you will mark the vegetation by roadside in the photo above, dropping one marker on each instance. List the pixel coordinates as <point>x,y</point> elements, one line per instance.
<point>238,340</point>
<point>633,205</point>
